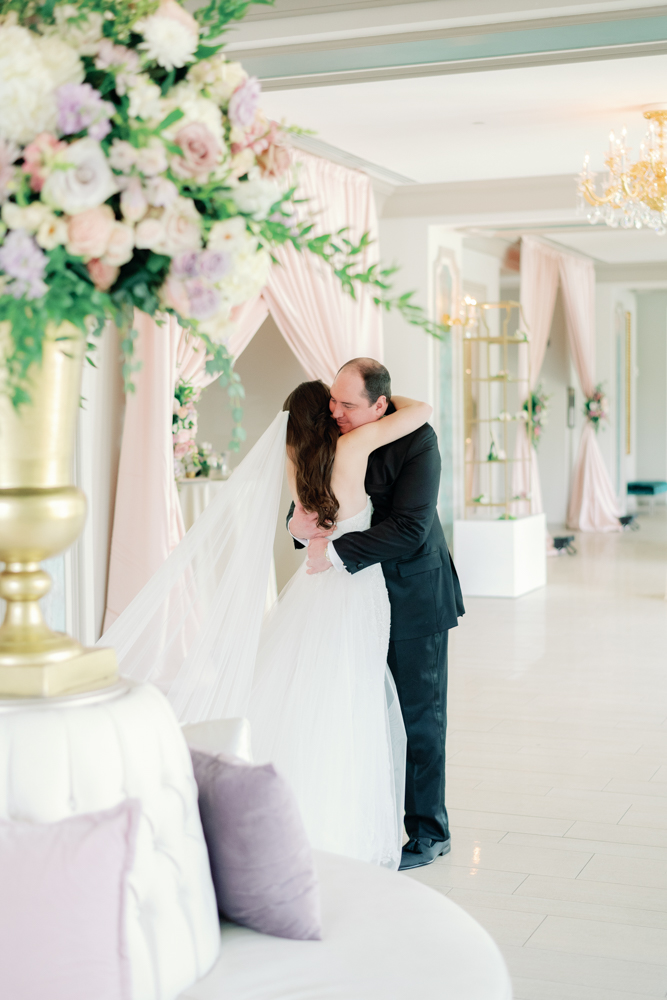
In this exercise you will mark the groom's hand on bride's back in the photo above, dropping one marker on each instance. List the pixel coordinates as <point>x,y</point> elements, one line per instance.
<point>304,524</point>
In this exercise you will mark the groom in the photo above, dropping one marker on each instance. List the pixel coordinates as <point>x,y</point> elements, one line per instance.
<point>406,536</point>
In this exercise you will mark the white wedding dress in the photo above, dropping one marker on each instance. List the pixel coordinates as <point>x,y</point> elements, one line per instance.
<point>318,709</point>
<point>311,676</point>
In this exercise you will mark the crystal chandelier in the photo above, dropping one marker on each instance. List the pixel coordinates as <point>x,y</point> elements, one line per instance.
<point>634,194</point>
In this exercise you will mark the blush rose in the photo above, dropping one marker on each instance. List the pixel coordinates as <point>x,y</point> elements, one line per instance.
<point>200,155</point>
<point>88,232</point>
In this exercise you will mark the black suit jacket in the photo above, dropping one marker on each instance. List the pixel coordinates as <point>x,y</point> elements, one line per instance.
<point>402,480</point>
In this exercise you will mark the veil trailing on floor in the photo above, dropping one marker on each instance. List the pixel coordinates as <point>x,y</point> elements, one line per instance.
<point>193,630</point>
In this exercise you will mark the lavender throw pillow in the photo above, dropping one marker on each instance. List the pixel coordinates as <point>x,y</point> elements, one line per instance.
<point>62,906</point>
<point>261,861</point>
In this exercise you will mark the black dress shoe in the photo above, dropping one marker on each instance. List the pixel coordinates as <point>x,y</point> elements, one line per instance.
<point>418,853</point>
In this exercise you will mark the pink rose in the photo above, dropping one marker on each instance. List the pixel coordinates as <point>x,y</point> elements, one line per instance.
<point>120,246</point>
<point>88,232</point>
<point>175,296</point>
<point>181,449</point>
<point>102,275</point>
<point>201,152</point>
<point>161,192</point>
<point>274,161</point>
<point>38,156</point>
<point>133,204</point>
<point>149,233</point>
<point>182,227</point>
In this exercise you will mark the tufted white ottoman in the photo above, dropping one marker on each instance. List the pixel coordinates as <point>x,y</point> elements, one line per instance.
<point>88,752</point>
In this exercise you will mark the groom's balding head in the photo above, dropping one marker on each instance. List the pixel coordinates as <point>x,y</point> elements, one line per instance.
<point>360,393</point>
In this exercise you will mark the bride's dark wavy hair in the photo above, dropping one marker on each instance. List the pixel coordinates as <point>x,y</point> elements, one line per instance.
<point>312,434</point>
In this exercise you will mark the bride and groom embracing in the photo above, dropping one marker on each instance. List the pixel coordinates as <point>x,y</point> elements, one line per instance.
<point>366,618</point>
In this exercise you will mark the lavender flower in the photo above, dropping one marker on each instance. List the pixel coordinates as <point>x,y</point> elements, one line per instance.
<point>81,107</point>
<point>186,265</point>
<point>204,300</point>
<point>214,264</point>
<point>244,102</point>
<point>22,260</point>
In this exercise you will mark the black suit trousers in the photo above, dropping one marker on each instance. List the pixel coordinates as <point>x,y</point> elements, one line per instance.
<point>419,668</point>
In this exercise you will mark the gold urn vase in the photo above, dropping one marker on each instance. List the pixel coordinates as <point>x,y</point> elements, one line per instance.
<point>41,514</point>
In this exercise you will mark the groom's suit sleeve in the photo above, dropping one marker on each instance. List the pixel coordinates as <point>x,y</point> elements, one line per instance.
<point>297,543</point>
<point>414,505</point>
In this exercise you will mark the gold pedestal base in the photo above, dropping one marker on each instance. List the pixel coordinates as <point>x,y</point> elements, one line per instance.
<point>90,670</point>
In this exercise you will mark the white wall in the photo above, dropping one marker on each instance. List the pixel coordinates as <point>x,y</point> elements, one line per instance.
<point>652,385</point>
<point>612,303</point>
<point>481,270</point>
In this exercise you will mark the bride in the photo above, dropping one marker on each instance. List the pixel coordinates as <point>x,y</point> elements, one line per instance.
<point>312,677</point>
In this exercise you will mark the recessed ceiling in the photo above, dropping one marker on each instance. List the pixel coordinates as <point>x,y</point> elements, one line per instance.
<point>614,246</point>
<point>536,121</point>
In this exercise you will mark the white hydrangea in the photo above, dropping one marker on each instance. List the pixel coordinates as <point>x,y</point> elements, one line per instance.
<point>230,235</point>
<point>83,34</point>
<point>255,196</point>
<point>167,42</point>
<point>145,99</point>
<point>32,67</point>
<point>249,274</point>
<point>29,217</point>
<point>219,77</point>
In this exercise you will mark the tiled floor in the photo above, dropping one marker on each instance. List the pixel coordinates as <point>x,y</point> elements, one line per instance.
<point>557,774</point>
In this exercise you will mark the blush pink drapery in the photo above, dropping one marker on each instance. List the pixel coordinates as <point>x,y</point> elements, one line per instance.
<point>321,323</point>
<point>593,505</point>
<point>539,286</point>
<point>148,522</point>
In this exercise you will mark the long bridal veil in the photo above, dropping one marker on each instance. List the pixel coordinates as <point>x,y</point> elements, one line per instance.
<point>194,629</point>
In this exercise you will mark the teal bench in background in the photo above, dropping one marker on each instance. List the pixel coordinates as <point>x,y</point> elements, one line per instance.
<point>647,488</point>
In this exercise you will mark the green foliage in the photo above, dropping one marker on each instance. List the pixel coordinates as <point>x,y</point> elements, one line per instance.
<point>214,17</point>
<point>71,296</point>
<point>121,14</point>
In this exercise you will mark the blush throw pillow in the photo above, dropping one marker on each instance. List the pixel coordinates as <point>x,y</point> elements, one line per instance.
<point>62,906</point>
<point>261,861</point>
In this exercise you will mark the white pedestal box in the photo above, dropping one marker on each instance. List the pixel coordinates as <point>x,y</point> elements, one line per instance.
<point>501,558</point>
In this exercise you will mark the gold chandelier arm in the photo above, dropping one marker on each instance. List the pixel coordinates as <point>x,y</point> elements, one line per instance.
<point>587,189</point>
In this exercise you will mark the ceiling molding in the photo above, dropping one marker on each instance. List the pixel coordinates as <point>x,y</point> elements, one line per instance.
<point>623,274</point>
<point>351,38</point>
<point>497,197</point>
<point>416,70</point>
<point>312,144</point>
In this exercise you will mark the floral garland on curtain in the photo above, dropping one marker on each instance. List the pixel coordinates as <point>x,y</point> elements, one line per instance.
<point>535,413</point>
<point>184,430</point>
<point>137,171</point>
<point>596,408</point>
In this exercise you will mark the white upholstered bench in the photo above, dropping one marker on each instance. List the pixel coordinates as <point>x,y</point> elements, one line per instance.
<point>385,935</point>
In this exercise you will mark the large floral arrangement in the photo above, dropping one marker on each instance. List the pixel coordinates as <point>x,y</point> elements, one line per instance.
<point>595,407</point>
<point>138,171</point>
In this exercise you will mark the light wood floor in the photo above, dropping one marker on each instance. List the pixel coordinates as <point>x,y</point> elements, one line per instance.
<point>557,772</point>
